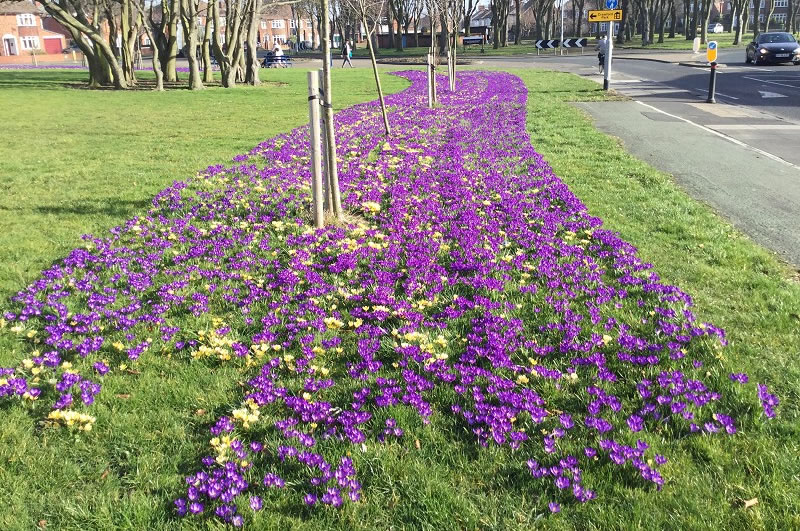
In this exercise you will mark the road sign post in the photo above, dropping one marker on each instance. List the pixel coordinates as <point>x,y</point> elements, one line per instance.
<point>609,51</point>
<point>712,84</point>
<point>711,55</point>
<point>611,16</point>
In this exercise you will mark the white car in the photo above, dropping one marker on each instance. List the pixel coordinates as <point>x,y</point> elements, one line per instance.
<point>715,28</point>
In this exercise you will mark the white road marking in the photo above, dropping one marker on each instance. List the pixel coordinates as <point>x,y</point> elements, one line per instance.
<point>760,127</point>
<point>771,82</point>
<point>651,92</point>
<point>723,135</point>
<point>720,94</point>
<point>767,94</point>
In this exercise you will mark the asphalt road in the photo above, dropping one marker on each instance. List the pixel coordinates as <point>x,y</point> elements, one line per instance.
<point>740,155</point>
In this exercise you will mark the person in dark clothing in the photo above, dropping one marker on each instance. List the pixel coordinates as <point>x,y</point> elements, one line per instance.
<point>347,53</point>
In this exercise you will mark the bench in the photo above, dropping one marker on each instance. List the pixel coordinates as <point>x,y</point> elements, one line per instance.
<point>276,62</point>
<point>473,40</point>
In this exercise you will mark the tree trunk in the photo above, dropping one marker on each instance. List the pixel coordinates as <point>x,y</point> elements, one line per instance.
<point>208,70</point>
<point>189,25</point>
<point>495,25</point>
<point>252,57</point>
<point>672,19</point>
<point>625,21</point>
<point>130,22</point>
<point>391,29</point>
<point>375,73</point>
<point>769,14</point>
<point>313,34</point>
<point>104,54</point>
<point>332,173</point>
<point>170,12</point>
<point>740,14</point>
<point>517,32</point>
<point>707,6</point>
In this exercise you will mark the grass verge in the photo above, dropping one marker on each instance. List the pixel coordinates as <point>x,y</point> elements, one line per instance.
<point>735,284</point>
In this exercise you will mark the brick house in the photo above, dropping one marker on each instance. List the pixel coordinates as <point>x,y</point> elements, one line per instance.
<point>277,26</point>
<point>23,31</point>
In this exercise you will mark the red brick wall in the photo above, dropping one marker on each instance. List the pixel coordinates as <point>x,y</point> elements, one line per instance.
<point>27,59</point>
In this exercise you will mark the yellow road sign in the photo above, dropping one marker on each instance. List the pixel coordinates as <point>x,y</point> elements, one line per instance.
<point>711,51</point>
<point>606,15</point>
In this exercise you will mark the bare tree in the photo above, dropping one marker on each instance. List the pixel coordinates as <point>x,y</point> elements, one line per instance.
<point>470,7</point>
<point>82,18</point>
<point>149,28</point>
<point>189,18</point>
<point>332,173</point>
<point>740,7</point>
<point>417,7</point>
<point>770,11</point>
<point>453,11</point>
<point>369,13</point>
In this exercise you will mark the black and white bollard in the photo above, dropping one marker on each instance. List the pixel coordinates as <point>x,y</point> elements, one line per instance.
<point>712,83</point>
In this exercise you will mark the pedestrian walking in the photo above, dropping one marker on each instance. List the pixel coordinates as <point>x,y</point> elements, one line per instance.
<point>602,50</point>
<point>347,54</point>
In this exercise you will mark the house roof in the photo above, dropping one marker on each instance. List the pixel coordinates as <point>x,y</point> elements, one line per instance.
<point>18,8</point>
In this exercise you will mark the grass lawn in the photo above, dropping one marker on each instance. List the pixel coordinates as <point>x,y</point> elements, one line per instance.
<point>102,155</point>
<point>97,158</point>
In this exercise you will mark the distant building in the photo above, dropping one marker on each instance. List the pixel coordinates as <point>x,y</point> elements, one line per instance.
<point>23,30</point>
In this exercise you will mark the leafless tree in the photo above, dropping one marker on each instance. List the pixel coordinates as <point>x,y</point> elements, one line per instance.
<point>369,13</point>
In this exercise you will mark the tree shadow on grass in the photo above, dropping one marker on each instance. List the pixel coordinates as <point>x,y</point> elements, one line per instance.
<point>110,207</point>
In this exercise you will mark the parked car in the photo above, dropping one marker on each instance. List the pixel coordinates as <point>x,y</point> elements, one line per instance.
<point>71,48</point>
<point>773,47</point>
<point>715,28</point>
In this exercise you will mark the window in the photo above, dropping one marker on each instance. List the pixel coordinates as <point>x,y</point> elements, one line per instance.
<point>278,39</point>
<point>26,20</point>
<point>780,17</point>
<point>30,43</point>
<point>277,24</point>
<point>781,3</point>
<point>263,24</point>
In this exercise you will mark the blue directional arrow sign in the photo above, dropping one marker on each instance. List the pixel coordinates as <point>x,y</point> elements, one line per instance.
<point>612,4</point>
<point>711,51</point>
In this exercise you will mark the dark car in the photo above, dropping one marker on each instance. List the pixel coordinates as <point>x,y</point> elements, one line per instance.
<point>71,48</point>
<point>773,47</point>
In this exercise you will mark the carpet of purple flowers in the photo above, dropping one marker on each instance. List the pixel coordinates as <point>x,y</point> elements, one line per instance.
<point>468,281</point>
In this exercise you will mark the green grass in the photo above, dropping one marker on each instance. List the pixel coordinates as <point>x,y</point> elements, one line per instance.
<point>735,284</point>
<point>79,161</point>
<point>154,421</point>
